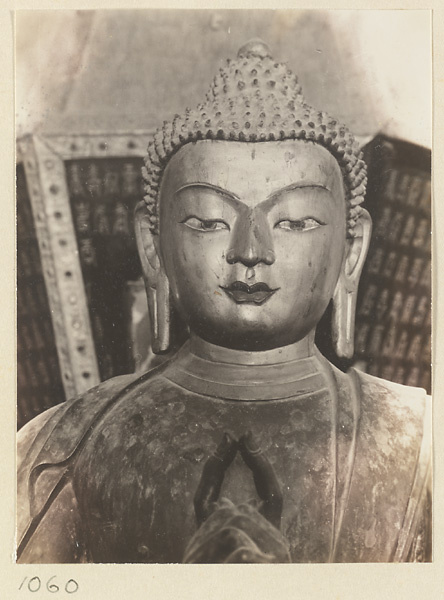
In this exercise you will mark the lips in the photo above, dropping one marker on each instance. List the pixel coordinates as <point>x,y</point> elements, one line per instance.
<point>241,293</point>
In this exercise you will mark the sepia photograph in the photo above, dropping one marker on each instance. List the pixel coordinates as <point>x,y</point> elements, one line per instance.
<point>224,320</point>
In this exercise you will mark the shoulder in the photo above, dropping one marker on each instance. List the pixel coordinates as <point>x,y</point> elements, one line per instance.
<point>69,421</point>
<point>80,410</point>
<point>396,430</point>
<point>393,424</point>
<point>55,434</point>
<point>401,408</point>
<point>48,443</point>
<point>391,464</point>
<point>402,393</point>
<point>28,433</point>
<point>391,418</point>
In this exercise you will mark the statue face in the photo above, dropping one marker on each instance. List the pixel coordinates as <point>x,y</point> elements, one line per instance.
<point>252,239</point>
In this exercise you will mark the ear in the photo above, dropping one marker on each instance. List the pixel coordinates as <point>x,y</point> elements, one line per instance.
<point>156,281</point>
<point>357,249</point>
<point>346,291</point>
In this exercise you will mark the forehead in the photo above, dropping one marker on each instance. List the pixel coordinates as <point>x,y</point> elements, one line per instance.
<point>250,167</point>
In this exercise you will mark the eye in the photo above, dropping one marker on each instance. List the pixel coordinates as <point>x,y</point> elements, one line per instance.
<point>205,224</point>
<point>299,225</point>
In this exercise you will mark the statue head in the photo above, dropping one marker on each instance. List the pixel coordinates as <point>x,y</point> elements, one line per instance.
<point>252,220</point>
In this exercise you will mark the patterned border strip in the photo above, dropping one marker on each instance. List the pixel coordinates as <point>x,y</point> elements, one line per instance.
<point>43,159</point>
<point>46,241</point>
<point>99,145</point>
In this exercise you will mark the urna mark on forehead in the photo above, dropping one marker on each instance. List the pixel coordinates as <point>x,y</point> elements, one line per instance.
<point>244,169</point>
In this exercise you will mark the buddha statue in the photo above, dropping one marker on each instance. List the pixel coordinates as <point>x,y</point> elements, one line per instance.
<point>246,445</point>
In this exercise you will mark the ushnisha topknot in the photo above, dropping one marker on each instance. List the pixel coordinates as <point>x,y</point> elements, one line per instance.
<point>255,99</point>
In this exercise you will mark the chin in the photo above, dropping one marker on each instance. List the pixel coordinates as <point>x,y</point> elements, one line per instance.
<point>252,336</point>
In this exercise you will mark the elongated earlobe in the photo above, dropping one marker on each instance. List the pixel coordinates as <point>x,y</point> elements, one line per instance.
<point>346,291</point>
<point>160,328</point>
<point>343,320</point>
<point>156,282</point>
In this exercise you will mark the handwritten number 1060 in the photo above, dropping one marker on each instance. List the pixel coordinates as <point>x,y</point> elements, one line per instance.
<point>35,583</point>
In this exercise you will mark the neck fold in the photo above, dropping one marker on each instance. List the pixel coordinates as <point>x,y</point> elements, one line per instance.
<point>211,352</point>
<point>226,374</point>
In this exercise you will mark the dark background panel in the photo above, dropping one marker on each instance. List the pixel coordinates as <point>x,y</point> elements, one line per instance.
<point>393,316</point>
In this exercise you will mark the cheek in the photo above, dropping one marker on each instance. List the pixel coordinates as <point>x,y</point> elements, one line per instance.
<point>195,262</point>
<point>203,254</point>
<point>311,263</point>
<point>326,275</point>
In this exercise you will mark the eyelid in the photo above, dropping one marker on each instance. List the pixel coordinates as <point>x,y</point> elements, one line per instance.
<point>189,217</point>
<point>309,185</point>
<point>214,220</point>
<point>302,221</point>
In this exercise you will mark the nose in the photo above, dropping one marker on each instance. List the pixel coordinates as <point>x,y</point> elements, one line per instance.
<point>251,241</point>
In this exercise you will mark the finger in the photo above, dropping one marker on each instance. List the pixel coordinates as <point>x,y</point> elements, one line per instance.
<point>213,473</point>
<point>265,480</point>
<point>226,451</point>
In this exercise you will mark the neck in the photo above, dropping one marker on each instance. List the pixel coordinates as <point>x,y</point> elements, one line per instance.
<point>304,348</point>
<point>223,373</point>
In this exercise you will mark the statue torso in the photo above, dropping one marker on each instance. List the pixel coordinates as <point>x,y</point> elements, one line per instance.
<point>134,472</point>
<point>142,468</point>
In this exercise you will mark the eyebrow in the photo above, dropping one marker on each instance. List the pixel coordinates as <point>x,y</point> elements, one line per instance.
<point>203,184</point>
<point>235,199</point>
<point>298,185</point>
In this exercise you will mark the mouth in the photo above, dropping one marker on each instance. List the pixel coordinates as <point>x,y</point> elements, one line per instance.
<point>242,293</point>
